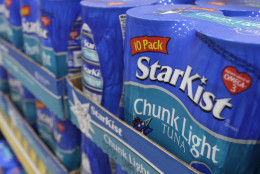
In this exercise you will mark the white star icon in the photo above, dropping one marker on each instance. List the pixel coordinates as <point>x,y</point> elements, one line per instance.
<point>81,111</point>
<point>203,80</point>
<point>177,10</point>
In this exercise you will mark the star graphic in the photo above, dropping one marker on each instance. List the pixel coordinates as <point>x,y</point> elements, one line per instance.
<point>81,111</point>
<point>177,10</point>
<point>203,80</point>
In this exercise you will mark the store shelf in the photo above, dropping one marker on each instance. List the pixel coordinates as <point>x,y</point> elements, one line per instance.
<point>37,79</point>
<point>30,149</point>
<point>110,134</point>
<point>19,146</point>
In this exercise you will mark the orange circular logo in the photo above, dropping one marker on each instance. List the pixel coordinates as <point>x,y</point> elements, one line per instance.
<point>217,3</point>
<point>116,3</point>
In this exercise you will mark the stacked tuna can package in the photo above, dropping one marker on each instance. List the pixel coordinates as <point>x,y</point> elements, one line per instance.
<point>192,85</point>
<point>103,31</point>
<point>42,33</point>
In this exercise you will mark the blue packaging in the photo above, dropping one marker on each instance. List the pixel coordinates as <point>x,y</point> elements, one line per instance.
<point>233,8</point>
<point>16,90</point>
<point>67,143</point>
<point>195,93</point>
<point>74,48</point>
<point>238,75</point>
<point>93,161</point>
<point>45,124</point>
<point>4,86</point>
<point>8,162</point>
<point>31,26</point>
<point>14,27</point>
<point>102,44</point>
<point>103,30</point>
<point>171,2</point>
<point>28,107</point>
<point>57,18</point>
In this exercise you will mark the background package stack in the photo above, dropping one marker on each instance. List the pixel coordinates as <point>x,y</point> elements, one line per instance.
<point>103,29</point>
<point>32,31</point>
<point>186,83</point>
<point>13,27</point>
<point>57,20</point>
<point>61,136</point>
<point>67,143</point>
<point>45,124</point>
<point>50,29</point>
<point>51,36</point>
<point>43,42</point>
<point>233,7</point>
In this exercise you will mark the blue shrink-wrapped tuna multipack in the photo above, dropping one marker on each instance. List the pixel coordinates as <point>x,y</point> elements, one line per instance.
<point>13,26</point>
<point>103,30</point>
<point>61,136</point>
<point>67,143</point>
<point>192,85</point>
<point>57,20</point>
<point>32,31</point>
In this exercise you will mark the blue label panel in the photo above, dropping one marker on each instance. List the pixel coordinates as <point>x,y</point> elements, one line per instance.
<point>32,48</point>
<point>55,62</point>
<point>171,123</point>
